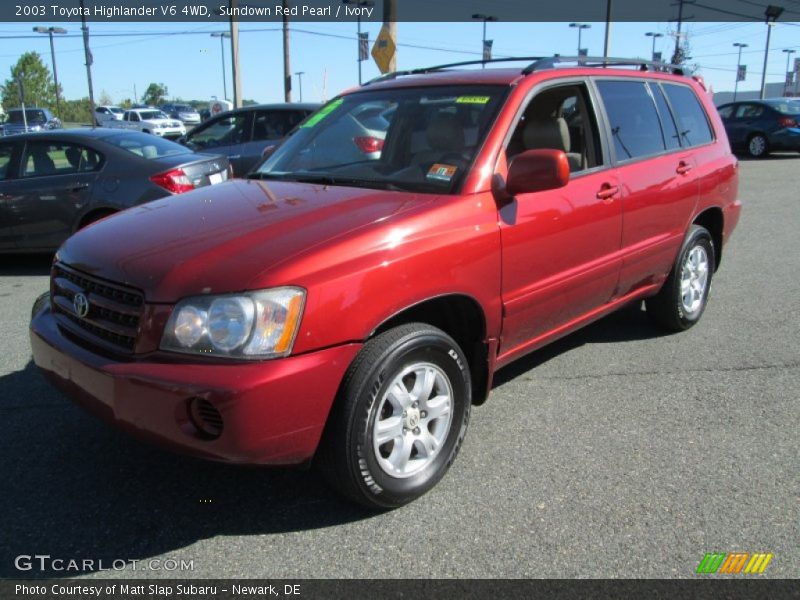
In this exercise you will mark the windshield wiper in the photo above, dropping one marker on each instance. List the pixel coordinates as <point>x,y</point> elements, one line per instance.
<point>331,180</point>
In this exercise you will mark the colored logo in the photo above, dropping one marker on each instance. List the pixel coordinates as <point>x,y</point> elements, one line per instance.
<point>81,305</point>
<point>734,562</point>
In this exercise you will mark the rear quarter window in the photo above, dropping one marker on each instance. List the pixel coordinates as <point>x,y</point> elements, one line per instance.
<point>693,125</point>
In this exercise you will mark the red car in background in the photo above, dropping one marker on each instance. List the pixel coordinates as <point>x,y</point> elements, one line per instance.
<point>350,310</point>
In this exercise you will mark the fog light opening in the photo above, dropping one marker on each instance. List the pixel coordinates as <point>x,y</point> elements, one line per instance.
<point>205,417</point>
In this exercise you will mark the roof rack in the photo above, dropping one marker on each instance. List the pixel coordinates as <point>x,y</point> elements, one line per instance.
<point>602,61</point>
<point>395,74</point>
<point>539,63</point>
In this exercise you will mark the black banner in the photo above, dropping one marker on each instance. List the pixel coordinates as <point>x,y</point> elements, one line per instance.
<point>405,10</point>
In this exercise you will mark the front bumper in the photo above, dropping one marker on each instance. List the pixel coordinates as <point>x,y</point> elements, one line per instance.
<point>274,411</point>
<point>170,132</point>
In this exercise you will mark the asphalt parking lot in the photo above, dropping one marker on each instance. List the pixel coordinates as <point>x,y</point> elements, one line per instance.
<point>616,452</point>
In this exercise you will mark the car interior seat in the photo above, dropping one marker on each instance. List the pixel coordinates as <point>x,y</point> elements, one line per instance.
<point>551,133</point>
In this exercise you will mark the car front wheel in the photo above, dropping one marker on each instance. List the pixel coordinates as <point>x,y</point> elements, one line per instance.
<point>400,419</point>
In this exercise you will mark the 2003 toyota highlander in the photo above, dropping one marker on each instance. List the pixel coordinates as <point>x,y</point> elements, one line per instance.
<point>349,307</point>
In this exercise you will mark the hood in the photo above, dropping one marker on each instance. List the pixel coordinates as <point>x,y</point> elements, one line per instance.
<point>221,238</point>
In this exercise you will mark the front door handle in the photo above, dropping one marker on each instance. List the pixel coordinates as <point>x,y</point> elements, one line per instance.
<point>77,187</point>
<point>683,168</point>
<point>607,192</point>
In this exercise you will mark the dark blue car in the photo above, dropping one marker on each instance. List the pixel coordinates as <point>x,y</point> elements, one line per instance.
<point>758,127</point>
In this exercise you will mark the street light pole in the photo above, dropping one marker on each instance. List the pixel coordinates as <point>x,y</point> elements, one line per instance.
<point>222,35</point>
<point>655,36</point>
<point>771,15</point>
<point>580,27</point>
<point>485,19</point>
<point>300,82</point>
<point>789,53</point>
<point>364,4</point>
<point>738,66</point>
<point>50,31</point>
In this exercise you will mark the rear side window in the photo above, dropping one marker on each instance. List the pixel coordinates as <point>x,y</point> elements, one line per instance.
<point>54,158</point>
<point>692,119</point>
<point>749,111</point>
<point>633,119</point>
<point>668,127</point>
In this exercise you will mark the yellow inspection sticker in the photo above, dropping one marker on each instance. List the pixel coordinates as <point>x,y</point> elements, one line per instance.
<point>472,99</point>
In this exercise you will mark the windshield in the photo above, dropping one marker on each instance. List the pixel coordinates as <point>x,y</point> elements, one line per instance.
<point>416,139</point>
<point>183,108</point>
<point>115,110</point>
<point>789,107</point>
<point>152,114</point>
<point>145,145</point>
<point>32,114</point>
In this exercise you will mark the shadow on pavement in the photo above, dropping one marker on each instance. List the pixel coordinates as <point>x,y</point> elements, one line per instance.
<point>25,264</point>
<point>74,488</point>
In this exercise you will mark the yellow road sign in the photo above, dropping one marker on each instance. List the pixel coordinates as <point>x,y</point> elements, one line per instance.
<point>383,49</point>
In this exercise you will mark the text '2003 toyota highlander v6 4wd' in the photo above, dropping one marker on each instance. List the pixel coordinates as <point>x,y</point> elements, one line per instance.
<point>348,308</point>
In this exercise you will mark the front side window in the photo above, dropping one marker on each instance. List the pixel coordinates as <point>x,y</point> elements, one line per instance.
<point>55,158</point>
<point>726,112</point>
<point>274,124</point>
<point>634,122</point>
<point>417,139</point>
<point>691,117</point>
<point>559,118</point>
<point>220,132</point>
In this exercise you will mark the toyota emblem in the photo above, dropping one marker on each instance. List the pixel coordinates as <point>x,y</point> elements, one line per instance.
<point>81,305</point>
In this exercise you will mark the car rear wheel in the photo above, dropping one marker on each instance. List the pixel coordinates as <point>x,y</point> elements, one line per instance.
<point>682,300</point>
<point>757,146</point>
<point>400,419</point>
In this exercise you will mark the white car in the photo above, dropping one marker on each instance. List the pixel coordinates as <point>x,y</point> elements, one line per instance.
<point>149,120</point>
<point>103,114</point>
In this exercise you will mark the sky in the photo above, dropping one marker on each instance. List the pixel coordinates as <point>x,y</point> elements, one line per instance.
<point>187,59</point>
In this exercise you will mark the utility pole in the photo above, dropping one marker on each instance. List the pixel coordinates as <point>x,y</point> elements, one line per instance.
<point>300,82</point>
<point>222,35</point>
<point>787,86</point>
<point>50,31</point>
<point>287,67</point>
<point>738,68</point>
<point>89,60</point>
<point>390,20</point>
<point>607,41</point>
<point>771,15</point>
<point>360,4</point>
<point>677,55</point>
<point>237,76</point>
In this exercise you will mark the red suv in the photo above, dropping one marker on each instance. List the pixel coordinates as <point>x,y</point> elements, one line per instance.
<point>349,307</point>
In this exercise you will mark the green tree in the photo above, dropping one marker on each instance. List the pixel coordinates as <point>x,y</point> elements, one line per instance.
<point>76,111</point>
<point>36,79</point>
<point>155,94</point>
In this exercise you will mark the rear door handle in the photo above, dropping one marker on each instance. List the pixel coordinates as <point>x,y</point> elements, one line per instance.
<point>77,187</point>
<point>607,191</point>
<point>683,168</point>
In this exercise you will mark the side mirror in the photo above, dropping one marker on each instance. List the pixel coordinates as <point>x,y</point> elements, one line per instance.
<point>536,171</point>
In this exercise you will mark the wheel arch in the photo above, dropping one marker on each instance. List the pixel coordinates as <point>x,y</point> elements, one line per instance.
<point>461,317</point>
<point>713,220</point>
<point>93,214</point>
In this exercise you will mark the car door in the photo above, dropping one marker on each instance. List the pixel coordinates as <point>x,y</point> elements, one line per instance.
<point>746,120</point>
<point>657,170</point>
<point>8,162</point>
<point>55,183</point>
<point>224,134</point>
<point>560,247</point>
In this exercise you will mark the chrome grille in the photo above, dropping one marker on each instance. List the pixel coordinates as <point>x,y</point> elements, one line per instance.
<point>112,320</point>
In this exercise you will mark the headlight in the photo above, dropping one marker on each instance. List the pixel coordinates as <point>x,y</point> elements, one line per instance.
<point>252,325</point>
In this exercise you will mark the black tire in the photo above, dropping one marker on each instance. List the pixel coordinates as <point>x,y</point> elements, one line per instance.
<point>348,457</point>
<point>667,309</point>
<point>757,146</point>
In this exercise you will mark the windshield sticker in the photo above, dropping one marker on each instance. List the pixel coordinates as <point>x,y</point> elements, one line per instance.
<point>472,99</point>
<point>441,172</point>
<point>322,113</point>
